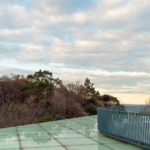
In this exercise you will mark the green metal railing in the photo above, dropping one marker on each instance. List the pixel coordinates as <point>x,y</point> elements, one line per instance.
<point>130,123</point>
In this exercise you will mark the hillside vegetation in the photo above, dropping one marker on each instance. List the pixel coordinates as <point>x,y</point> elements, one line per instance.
<point>40,97</point>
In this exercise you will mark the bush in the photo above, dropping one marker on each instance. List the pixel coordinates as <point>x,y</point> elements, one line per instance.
<point>45,118</point>
<point>59,117</point>
<point>90,108</point>
<point>92,100</point>
<point>48,117</point>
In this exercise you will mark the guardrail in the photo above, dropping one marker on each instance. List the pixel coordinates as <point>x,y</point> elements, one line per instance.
<point>130,123</point>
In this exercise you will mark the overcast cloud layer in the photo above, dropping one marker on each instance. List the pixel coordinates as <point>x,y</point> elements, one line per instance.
<point>105,40</point>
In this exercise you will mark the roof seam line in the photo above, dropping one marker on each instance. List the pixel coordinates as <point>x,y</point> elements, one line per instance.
<point>86,136</point>
<point>53,136</point>
<point>19,140</point>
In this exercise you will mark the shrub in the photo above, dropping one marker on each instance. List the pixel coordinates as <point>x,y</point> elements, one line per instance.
<point>45,118</point>
<point>59,117</point>
<point>90,108</point>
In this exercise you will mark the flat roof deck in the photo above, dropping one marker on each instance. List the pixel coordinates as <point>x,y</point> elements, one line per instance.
<point>71,134</point>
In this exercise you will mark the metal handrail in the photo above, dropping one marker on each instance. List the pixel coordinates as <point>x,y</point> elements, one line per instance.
<point>130,123</point>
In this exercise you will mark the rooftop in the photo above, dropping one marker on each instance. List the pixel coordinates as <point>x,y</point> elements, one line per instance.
<point>70,134</point>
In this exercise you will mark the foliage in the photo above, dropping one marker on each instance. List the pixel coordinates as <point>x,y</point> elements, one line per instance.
<point>109,100</point>
<point>46,118</point>
<point>90,108</point>
<point>59,117</point>
<point>49,117</point>
<point>12,90</point>
<point>90,90</point>
<point>16,108</point>
<point>40,97</point>
<point>42,83</point>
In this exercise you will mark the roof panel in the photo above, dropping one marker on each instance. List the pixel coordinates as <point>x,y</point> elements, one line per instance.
<point>70,134</point>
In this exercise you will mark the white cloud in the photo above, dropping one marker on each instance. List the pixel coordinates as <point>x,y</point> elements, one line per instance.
<point>109,41</point>
<point>13,16</point>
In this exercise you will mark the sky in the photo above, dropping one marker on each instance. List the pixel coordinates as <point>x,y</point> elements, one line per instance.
<point>104,40</point>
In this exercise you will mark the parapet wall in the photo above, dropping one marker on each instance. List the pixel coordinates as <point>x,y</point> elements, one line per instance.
<point>130,123</point>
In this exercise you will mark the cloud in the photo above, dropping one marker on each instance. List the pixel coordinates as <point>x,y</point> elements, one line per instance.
<point>119,12</point>
<point>105,40</point>
<point>13,16</point>
<point>9,70</point>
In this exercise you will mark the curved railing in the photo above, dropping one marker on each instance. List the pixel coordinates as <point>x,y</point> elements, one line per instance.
<point>130,123</point>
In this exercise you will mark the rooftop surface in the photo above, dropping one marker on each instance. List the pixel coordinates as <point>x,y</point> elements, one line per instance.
<point>71,134</point>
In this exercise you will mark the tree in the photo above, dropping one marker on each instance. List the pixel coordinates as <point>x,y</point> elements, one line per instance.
<point>110,100</point>
<point>12,89</point>
<point>42,83</point>
<point>90,90</point>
